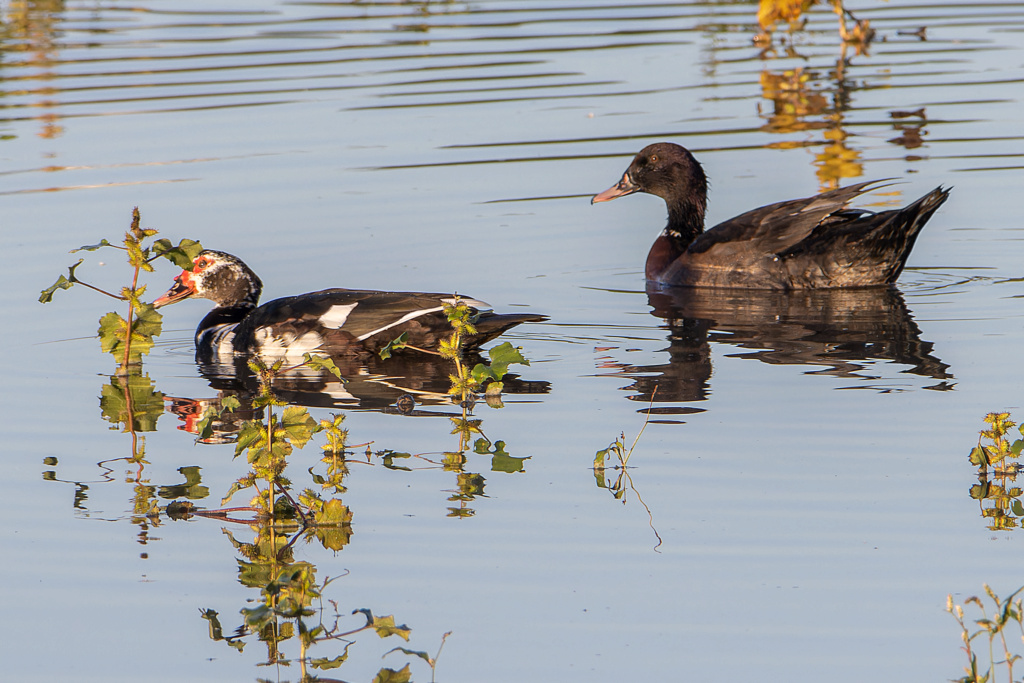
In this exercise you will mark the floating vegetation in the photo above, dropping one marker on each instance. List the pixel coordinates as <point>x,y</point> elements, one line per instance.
<point>996,457</point>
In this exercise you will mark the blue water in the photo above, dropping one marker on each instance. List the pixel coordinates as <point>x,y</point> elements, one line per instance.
<point>804,476</point>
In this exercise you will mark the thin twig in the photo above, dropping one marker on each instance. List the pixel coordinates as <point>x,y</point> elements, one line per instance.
<point>646,422</point>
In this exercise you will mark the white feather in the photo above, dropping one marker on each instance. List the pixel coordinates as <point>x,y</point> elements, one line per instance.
<point>472,303</point>
<point>336,316</point>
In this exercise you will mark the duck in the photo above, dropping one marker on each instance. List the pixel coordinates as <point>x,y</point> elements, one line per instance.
<point>333,322</point>
<point>811,243</point>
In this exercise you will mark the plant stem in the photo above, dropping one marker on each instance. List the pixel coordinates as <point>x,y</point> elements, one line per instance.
<point>101,291</point>
<point>128,331</point>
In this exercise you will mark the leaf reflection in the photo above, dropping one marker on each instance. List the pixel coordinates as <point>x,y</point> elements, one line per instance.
<point>997,458</point>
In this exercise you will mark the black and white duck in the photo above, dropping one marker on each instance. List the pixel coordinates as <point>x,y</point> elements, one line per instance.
<point>334,322</point>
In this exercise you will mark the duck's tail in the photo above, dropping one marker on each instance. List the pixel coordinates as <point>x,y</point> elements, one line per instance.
<point>894,237</point>
<point>490,325</point>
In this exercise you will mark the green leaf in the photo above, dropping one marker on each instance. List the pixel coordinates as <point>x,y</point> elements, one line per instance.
<point>216,631</point>
<point>232,490</point>
<point>388,460</point>
<point>334,513</point>
<point>46,296</point>
<point>322,363</point>
<point>112,332</point>
<point>93,247</point>
<point>204,428</point>
<point>258,617</point>
<point>230,403</point>
<point>384,626</point>
<point>412,653</point>
<point>325,663</point>
<point>481,373</point>
<point>334,538</point>
<point>132,401</point>
<point>148,321</point>
<point>396,344</point>
<point>1017,507</point>
<point>254,574</point>
<point>334,528</point>
<point>392,676</point>
<point>298,424</point>
<point>191,489</point>
<point>503,462</point>
<point>181,255</point>
<point>249,434</point>
<point>503,356</point>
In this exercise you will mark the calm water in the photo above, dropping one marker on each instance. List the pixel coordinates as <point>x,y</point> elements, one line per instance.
<point>805,489</point>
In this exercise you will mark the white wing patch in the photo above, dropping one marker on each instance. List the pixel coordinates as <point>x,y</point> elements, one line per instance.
<point>336,316</point>
<point>472,303</point>
<point>404,318</point>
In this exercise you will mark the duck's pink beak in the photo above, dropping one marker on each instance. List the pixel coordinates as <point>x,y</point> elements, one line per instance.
<point>183,288</point>
<point>620,189</point>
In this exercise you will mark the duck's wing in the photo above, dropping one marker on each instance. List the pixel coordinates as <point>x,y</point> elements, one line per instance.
<point>777,227</point>
<point>346,316</point>
<point>342,321</point>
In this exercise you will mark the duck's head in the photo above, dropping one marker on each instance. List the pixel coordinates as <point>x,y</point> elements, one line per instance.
<point>663,169</point>
<point>217,276</point>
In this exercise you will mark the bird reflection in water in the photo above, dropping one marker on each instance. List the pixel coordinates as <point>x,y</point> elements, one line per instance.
<point>399,385</point>
<point>840,331</point>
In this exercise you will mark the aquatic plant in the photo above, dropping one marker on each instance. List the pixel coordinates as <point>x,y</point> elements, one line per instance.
<point>1006,613</point>
<point>484,380</point>
<point>770,12</point>
<point>128,339</point>
<point>286,611</point>
<point>616,457</point>
<point>996,457</point>
<point>267,430</point>
<point>484,377</point>
<point>268,443</point>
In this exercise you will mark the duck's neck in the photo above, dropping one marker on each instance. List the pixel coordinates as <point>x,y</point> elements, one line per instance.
<point>223,315</point>
<point>685,224</point>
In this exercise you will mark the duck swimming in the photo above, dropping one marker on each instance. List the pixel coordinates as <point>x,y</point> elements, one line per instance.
<point>798,244</point>
<point>335,322</point>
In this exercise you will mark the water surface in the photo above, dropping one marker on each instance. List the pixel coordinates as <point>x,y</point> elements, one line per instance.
<point>803,474</point>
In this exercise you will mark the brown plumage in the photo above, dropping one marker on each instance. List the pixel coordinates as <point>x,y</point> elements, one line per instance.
<point>814,242</point>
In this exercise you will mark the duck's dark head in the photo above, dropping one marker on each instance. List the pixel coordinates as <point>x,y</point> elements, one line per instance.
<point>669,171</point>
<point>217,276</point>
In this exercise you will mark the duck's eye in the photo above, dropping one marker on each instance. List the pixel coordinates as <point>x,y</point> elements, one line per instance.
<point>654,158</point>
<point>200,264</point>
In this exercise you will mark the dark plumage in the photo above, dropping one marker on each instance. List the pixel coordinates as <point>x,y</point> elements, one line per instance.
<point>798,244</point>
<point>335,322</point>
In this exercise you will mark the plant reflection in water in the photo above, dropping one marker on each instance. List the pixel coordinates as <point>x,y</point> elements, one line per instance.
<point>996,457</point>
<point>263,411</point>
